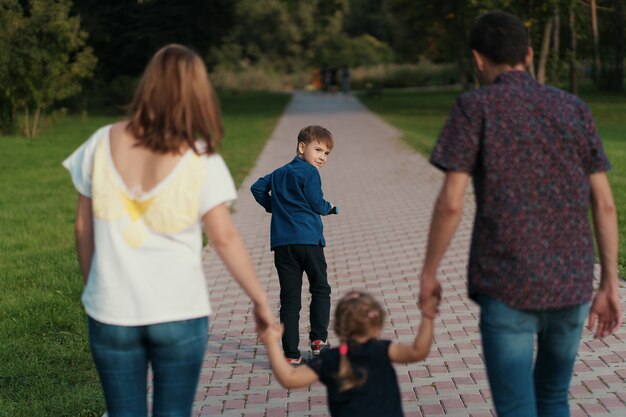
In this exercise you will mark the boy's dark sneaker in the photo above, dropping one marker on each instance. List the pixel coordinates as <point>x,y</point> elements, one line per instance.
<point>295,362</point>
<point>317,346</point>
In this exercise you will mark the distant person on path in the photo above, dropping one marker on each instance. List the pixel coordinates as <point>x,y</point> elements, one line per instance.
<point>359,375</point>
<point>334,84</point>
<point>325,77</point>
<point>537,166</point>
<point>293,195</point>
<point>345,79</point>
<point>147,188</point>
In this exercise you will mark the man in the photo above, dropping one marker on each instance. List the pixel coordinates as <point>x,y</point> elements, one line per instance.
<point>537,165</point>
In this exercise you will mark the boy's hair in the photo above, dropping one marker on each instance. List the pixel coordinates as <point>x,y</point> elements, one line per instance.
<point>501,37</point>
<point>357,314</point>
<point>318,133</point>
<point>175,104</point>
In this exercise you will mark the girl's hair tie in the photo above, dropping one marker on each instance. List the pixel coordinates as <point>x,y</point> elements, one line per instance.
<point>372,313</point>
<point>343,349</point>
<point>352,295</point>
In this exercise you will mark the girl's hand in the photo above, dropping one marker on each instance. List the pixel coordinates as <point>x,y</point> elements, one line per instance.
<point>272,334</point>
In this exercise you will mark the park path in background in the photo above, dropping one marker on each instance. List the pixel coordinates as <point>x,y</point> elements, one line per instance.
<point>385,193</point>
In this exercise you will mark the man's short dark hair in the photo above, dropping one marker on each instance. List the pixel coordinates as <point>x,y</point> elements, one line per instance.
<point>501,37</point>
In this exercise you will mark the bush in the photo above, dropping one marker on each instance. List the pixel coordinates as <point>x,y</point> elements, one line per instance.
<point>256,78</point>
<point>421,74</point>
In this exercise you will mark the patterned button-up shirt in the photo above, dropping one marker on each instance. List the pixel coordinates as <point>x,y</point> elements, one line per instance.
<point>530,149</point>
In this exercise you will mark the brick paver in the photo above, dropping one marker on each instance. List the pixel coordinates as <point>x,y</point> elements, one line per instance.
<point>385,193</point>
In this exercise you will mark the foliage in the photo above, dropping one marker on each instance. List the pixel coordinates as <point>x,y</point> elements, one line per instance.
<point>45,58</point>
<point>125,34</point>
<point>45,363</point>
<point>422,74</point>
<point>420,115</point>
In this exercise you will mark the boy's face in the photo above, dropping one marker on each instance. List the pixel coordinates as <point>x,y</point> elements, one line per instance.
<point>315,153</point>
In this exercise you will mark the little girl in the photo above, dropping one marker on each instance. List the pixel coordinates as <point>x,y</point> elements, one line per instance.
<point>358,375</point>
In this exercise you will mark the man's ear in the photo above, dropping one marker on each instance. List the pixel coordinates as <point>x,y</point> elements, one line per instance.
<point>529,57</point>
<point>479,60</point>
<point>301,146</point>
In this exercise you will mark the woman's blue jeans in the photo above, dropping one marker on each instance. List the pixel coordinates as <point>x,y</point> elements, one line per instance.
<point>175,351</point>
<point>519,387</point>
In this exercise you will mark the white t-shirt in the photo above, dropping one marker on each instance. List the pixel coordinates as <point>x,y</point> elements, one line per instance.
<point>147,265</point>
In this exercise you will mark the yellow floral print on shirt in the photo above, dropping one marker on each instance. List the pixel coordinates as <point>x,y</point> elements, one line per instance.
<point>173,209</point>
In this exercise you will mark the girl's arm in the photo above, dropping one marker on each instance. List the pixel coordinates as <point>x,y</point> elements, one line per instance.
<point>227,242</point>
<point>401,353</point>
<point>83,229</point>
<point>287,375</point>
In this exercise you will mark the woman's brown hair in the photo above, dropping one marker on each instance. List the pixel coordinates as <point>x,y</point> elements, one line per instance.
<point>174,104</point>
<point>356,315</point>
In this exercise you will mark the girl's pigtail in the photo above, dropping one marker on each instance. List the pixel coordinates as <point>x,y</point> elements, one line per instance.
<point>347,378</point>
<point>356,315</point>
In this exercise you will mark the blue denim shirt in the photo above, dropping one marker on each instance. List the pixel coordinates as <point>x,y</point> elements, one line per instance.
<point>293,194</point>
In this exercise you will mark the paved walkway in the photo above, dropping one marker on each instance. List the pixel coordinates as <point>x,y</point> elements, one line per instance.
<point>385,193</point>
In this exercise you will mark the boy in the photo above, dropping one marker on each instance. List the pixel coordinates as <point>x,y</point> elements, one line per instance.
<point>293,194</point>
<point>537,166</point>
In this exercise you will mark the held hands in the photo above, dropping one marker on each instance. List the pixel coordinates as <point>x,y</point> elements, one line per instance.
<point>263,317</point>
<point>272,334</point>
<point>430,304</point>
<point>430,296</point>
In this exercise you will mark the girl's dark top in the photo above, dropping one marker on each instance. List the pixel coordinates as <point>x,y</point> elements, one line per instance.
<point>379,396</point>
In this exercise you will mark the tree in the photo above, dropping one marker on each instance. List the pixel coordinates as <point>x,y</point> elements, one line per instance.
<point>125,34</point>
<point>45,61</point>
<point>618,77</point>
<point>573,76</point>
<point>594,30</point>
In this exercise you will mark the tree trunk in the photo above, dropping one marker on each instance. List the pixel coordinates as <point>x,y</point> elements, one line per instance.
<point>618,75</point>
<point>596,53</point>
<point>545,49</point>
<point>26,122</point>
<point>36,121</point>
<point>573,79</point>
<point>555,46</point>
<point>460,31</point>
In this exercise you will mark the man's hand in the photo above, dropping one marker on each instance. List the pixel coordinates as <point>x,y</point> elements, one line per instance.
<point>430,289</point>
<point>605,313</point>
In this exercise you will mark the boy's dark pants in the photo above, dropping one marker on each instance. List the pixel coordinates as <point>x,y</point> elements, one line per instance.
<point>291,261</point>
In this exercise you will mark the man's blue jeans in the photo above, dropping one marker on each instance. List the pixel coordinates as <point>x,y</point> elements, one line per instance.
<point>519,387</point>
<point>175,351</point>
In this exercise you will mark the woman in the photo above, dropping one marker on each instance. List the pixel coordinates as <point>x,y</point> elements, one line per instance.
<point>147,187</point>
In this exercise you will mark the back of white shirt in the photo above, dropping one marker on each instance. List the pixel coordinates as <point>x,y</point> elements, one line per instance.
<point>147,265</point>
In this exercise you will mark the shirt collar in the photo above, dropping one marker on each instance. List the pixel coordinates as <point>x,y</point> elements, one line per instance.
<point>513,77</point>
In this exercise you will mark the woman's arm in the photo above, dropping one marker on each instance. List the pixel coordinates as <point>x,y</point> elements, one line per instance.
<point>227,242</point>
<point>83,230</point>
<point>287,375</point>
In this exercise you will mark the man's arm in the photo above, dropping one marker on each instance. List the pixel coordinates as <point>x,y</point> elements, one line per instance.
<point>83,229</point>
<point>605,311</point>
<point>446,217</point>
<point>261,192</point>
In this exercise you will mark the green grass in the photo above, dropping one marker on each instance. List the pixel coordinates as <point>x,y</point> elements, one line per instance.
<point>45,362</point>
<point>420,115</point>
